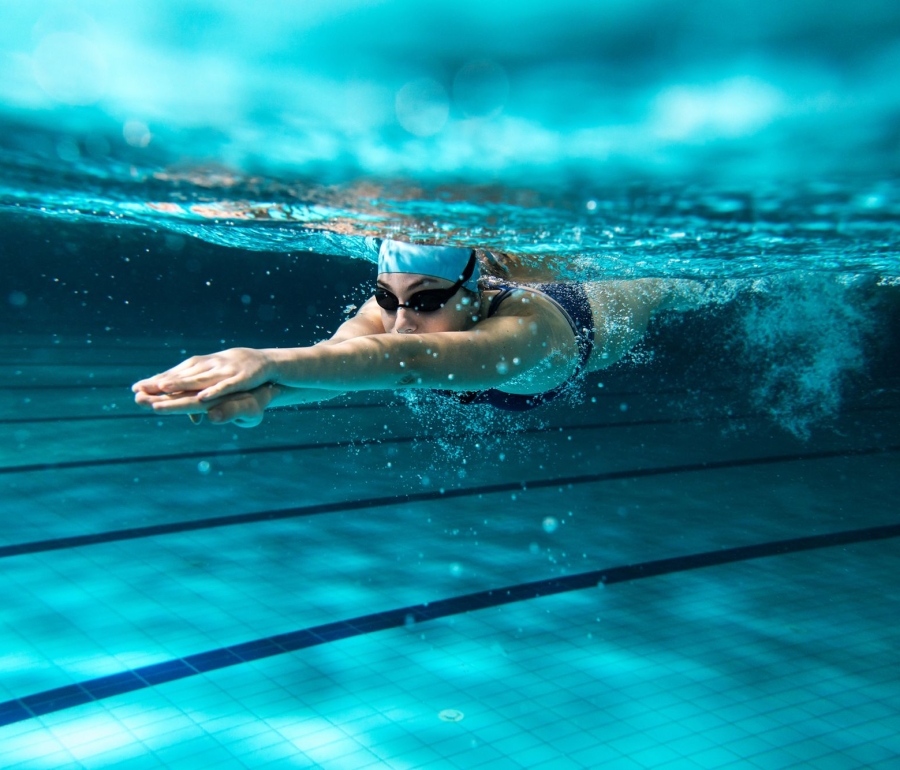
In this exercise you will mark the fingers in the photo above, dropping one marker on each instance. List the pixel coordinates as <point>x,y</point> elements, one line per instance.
<point>179,403</point>
<point>147,400</point>
<point>195,378</point>
<point>242,409</point>
<point>218,374</point>
<point>180,377</point>
<point>142,398</point>
<point>169,383</point>
<point>180,390</point>
<point>148,385</point>
<point>152,384</point>
<point>223,388</point>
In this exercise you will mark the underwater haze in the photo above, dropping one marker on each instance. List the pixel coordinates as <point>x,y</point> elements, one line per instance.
<point>725,139</point>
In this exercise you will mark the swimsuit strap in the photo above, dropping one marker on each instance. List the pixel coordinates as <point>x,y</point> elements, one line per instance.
<point>501,295</point>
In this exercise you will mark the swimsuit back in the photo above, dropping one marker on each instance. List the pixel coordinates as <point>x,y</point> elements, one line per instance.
<point>572,301</point>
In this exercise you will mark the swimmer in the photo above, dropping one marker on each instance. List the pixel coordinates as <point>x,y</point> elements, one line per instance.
<point>433,322</point>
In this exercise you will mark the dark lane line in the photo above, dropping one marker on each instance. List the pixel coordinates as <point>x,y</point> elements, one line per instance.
<point>88,385</point>
<point>154,416</point>
<point>238,451</point>
<point>77,541</point>
<point>100,416</point>
<point>84,364</point>
<point>92,690</point>
<point>162,348</point>
<point>75,386</point>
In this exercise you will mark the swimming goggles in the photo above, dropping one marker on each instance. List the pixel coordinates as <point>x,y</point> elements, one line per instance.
<point>426,301</point>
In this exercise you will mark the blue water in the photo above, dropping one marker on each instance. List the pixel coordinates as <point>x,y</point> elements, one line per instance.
<point>687,563</point>
<point>642,139</point>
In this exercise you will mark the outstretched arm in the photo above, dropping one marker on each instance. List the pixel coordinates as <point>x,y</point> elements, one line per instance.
<point>247,366</point>
<point>487,356</point>
<point>243,407</point>
<point>490,354</point>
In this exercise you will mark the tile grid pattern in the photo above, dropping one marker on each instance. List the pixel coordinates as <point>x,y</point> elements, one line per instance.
<point>727,667</point>
<point>728,679</point>
<point>210,660</point>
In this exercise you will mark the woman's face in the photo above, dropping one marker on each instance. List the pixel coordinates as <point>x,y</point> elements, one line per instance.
<point>456,315</point>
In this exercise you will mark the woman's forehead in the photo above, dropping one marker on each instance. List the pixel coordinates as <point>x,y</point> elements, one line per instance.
<point>410,280</point>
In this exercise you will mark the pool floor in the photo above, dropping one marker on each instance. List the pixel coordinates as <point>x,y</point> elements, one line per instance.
<point>642,581</point>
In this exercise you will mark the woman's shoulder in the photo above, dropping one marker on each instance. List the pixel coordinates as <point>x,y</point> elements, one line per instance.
<point>516,299</point>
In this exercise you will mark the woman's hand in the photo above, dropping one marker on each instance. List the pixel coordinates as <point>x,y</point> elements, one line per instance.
<point>244,409</point>
<point>207,377</point>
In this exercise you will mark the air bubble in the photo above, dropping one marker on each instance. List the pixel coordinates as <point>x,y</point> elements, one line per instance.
<point>422,107</point>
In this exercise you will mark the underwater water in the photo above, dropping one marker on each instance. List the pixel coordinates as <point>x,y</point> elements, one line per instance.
<point>689,562</point>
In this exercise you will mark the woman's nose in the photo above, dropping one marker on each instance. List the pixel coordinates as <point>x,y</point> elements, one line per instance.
<point>405,323</point>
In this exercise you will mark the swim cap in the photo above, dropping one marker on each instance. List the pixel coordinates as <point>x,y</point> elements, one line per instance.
<point>446,262</point>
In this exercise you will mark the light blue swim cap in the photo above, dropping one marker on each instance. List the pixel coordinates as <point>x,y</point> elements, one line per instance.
<point>446,262</point>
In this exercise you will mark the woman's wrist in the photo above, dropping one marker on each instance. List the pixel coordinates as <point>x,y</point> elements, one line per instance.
<point>283,366</point>
<point>271,368</point>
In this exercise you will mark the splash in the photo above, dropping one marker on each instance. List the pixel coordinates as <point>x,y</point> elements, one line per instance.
<point>457,430</point>
<point>803,337</point>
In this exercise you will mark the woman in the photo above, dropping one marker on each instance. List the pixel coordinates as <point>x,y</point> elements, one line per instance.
<point>430,324</point>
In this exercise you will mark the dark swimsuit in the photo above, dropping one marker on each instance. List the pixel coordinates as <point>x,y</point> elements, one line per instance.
<point>571,299</point>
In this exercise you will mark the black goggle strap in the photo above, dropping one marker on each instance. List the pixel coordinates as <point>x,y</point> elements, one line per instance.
<point>464,276</point>
<point>467,273</point>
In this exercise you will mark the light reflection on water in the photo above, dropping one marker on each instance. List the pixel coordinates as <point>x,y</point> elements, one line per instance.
<point>582,233</point>
<point>616,139</point>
